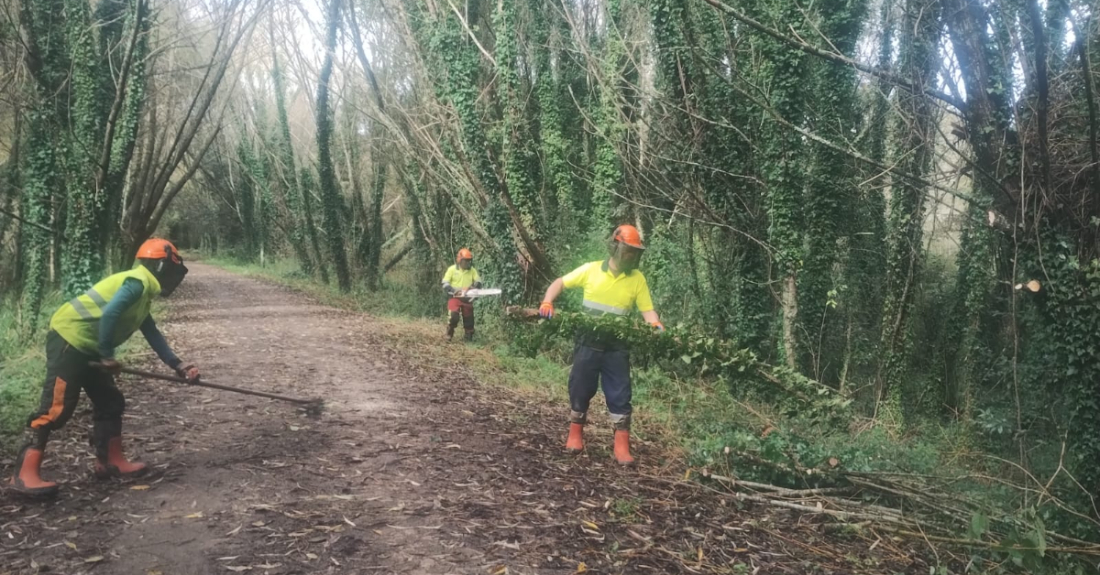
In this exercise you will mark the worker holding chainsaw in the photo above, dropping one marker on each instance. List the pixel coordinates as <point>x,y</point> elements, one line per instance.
<point>459,278</point>
<point>612,286</point>
<point>80,348</point>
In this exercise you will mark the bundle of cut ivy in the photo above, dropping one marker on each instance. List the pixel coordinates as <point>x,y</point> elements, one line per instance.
<point>696,354</point>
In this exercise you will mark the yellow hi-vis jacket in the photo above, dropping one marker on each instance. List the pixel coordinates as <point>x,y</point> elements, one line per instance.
<point>459,278</point>
<point>605,292</point>
<point>77,322</point>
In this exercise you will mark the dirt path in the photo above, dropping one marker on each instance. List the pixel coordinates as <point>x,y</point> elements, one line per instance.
<point>414,468</point>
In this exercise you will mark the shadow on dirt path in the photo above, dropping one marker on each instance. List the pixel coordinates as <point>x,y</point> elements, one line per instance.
<point>413,468</point>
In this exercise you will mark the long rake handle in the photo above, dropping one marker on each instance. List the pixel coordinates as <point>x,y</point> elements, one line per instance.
<point>202,383</point>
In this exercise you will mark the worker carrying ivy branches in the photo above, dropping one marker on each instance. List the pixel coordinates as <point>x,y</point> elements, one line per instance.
<point>612,286</point>
<point>80,355</point>
<point>456,281</point>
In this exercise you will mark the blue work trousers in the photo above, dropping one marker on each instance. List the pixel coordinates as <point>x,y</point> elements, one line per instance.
<point>593,367</point>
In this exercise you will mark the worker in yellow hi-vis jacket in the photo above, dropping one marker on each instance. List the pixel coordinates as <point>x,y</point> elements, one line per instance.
<point>612,286</point>
<point>459,278</point>
<point>80,356</point>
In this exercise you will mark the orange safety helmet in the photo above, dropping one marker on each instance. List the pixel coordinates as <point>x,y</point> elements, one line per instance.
<point>162,258</point>
<point>627,234</point>
<point>159,249</point>
<point>464,254</point>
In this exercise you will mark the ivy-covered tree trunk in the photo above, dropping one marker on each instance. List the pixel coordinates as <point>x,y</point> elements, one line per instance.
<point>47,59</point>
<point>608,171</point>
<point>564,208</point>
<point>865,272</point>
<point>419,209</point>
<point>292,190</point>
<point>461,90</point>
<point>330,193</point>
<point>988,123</point>
<point>308,185</point>
<point>9,191</point>
<point>83,262</point>
<point>41,175</point>
<point>246,197</point>
<point>374,221</point>
<point>125,140</point>
<point>912,150</point>
<point>518,158</point>
<point>830,194</point>
<point>783,170</point>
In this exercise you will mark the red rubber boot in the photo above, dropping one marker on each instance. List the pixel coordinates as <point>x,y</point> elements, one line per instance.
<point>27,480</point>
<point>622,448</point>
<point>116,464</point>
<point>575,443</point>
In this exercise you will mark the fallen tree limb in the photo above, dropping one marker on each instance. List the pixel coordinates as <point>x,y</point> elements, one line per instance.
<point>400,255</point>
<point>1090,550</point>
<point>888,520</point>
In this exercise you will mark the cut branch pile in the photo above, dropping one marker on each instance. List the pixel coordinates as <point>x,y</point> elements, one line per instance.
<point>924,507</point>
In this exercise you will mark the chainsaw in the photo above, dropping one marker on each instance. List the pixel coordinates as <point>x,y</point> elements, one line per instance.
<point>476,293</point>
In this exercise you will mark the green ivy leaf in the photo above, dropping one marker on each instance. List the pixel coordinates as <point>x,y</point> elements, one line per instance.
<point>979,525</point>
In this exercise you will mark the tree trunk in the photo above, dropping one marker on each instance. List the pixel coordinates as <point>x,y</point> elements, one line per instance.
<point>913,149</point>
<point>331,199</point>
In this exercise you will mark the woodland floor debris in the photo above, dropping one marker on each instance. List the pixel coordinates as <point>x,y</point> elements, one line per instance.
<point>414,468</point>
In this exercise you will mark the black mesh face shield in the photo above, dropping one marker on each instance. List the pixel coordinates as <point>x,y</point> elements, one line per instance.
<point>169,272</point>
<point>627,258</point>
<point>171,276</point>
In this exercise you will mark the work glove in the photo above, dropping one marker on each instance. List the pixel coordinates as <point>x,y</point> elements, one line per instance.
<point>188,372</point>
<point>546,310</point>
<point>109,365</point>
<point>660,326</point>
